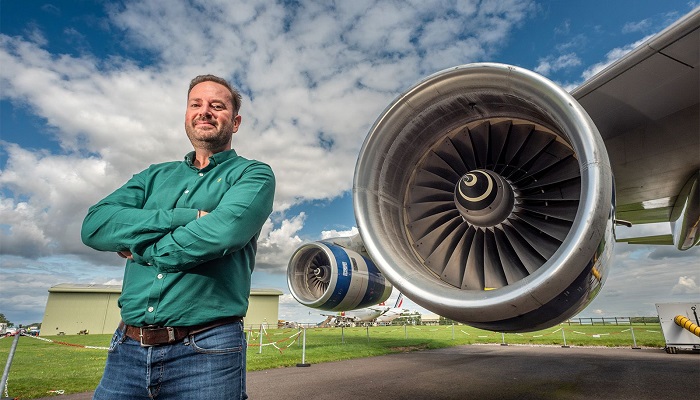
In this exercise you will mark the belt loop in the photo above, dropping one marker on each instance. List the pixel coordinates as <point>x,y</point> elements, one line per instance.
<point>171,334</point>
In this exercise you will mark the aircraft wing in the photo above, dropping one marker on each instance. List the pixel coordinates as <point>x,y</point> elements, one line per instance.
<point>645,106</point>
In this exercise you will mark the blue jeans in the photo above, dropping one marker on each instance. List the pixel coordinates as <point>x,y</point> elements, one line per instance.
<point>208,365</point>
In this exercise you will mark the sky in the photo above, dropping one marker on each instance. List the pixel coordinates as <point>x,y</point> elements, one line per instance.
<point>92,92</point>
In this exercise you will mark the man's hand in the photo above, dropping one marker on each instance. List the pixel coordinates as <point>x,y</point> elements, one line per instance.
<point>201,213</point>
<point>125,254</point>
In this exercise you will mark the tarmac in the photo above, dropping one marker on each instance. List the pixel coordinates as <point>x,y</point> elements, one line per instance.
<point>485,372</point>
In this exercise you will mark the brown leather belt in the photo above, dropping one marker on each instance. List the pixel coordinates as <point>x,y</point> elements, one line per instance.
<point>158,335</point>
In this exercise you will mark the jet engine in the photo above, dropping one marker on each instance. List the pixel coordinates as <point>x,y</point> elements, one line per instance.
<point>334,277</point>
<point>484,193</point>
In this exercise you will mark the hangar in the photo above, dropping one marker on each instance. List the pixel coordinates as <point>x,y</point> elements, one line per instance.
<point>90,308</point>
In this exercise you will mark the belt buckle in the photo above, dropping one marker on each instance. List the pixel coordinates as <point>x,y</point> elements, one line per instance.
<point>141,337</point>
<point>169,329</point>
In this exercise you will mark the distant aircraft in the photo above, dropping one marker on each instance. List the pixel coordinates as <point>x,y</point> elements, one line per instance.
<point>369,314</point>
<point>395,312</point>
<point>485,192</point>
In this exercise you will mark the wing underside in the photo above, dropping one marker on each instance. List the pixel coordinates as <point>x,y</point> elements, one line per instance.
<point>646,108</point>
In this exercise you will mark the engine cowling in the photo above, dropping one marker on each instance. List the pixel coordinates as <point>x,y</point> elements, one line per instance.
<point>329,276</point>
<point>484,193</point>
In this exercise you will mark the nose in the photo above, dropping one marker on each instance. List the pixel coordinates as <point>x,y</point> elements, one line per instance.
<point>205,111</point>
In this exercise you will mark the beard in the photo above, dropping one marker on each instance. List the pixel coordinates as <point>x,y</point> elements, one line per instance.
<point>210,139</point>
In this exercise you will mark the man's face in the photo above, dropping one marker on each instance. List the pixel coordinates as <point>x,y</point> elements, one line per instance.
<point>210,120</point>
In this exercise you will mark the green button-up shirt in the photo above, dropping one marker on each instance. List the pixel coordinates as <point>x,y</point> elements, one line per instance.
<point>186,270</point>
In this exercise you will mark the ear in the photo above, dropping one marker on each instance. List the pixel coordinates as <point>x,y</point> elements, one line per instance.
<point>236,122</point>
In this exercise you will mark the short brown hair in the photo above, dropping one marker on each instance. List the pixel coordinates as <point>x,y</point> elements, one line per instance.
<point>236,97</point>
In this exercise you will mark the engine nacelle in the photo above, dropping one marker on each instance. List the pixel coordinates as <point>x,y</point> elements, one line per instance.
<point>484,193</point>
<point>328,276</point>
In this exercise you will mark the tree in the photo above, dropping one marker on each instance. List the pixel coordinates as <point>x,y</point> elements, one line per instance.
<point>4,320</point>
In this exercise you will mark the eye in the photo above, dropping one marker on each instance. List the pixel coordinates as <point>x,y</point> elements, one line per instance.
<point>194,105</point>
<point>217,107</point>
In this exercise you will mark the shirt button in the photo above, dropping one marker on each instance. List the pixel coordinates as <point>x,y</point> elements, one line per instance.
<point>160,276</point>
<point>150,309</point>
<point>187,191</point>
<point>201,174</point>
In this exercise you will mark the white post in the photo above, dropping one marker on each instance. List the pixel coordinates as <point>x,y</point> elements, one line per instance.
<point>564,336</point>
<point>261,337</point>
<point>303,352</point>
<point>634,340</point>
<point>6,372</point>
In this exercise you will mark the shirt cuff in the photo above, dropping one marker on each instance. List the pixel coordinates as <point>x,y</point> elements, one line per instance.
<point>183,216</point>
<point>145,258</point>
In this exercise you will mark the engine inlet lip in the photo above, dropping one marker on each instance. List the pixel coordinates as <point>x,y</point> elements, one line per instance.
<point>376,208</point>
<point>303,256</point>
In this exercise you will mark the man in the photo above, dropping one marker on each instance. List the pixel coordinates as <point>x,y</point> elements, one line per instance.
<point>188,231</point>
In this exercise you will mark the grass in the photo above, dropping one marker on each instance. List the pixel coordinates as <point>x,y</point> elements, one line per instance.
<point>40,367</point>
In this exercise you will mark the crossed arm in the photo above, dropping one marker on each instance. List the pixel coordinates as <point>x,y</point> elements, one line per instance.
<point>129,256</point>
<point>181,238</point>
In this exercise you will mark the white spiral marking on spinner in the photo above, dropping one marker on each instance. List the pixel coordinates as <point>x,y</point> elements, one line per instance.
<point>473,182</point>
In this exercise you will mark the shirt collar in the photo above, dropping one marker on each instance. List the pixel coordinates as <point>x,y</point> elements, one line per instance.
<point>214,159</point>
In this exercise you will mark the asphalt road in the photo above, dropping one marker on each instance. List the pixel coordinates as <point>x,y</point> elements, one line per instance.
<point>490,372</point>
<point>486,372</point>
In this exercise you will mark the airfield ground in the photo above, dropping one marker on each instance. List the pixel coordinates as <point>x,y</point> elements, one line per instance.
<point>486,372</point>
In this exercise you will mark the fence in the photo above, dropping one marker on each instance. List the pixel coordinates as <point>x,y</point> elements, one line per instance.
<point>613,321</point>
<point>569,322</point>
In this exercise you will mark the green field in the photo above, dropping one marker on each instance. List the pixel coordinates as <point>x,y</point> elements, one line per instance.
<point>40,367</point>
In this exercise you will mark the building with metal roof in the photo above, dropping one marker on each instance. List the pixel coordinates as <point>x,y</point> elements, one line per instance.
<point>90,308</point>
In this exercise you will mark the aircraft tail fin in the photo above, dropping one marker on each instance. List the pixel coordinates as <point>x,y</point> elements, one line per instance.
<point>399,301</point>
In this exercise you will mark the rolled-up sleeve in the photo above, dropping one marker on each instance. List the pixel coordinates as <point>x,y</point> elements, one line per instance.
<point>119,221</point>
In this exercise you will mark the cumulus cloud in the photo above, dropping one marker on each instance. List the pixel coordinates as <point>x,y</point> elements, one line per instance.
<point>335,234</point>
<point>275,246</point>
<point>612,56</point>
<point>552,64</point>
<point>287,299</point>
<point>686,285</point>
